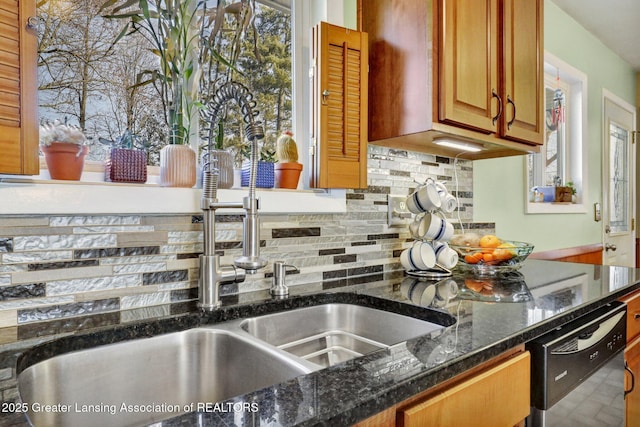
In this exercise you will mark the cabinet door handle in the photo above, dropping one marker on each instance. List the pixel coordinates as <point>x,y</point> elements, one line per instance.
<point>510,101</point>
<point>636,316</point>
<point>494,94</point>
<point>633,379</point>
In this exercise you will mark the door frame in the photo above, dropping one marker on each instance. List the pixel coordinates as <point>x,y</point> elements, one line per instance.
<point>606,94</point>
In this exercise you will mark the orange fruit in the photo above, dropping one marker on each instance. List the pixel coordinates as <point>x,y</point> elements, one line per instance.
<point>489,241</point>
<point>502,254</point>
<point>473,258</point>
<point>488,257</point>
<point>504,251</point>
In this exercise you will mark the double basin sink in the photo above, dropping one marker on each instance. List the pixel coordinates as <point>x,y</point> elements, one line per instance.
<point>206,364</point>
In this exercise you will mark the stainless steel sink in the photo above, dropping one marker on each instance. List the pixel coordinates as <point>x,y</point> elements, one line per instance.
<point>177,369</point>
<point>333,333</point>
<point>203,365</point>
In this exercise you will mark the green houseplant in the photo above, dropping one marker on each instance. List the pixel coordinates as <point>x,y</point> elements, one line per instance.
<point>170,26</point>
<point>64,147</point>
<point>221,41</point>
<point>185,35</point>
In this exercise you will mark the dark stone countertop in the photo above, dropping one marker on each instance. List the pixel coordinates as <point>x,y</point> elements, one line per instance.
<point>505,312</point>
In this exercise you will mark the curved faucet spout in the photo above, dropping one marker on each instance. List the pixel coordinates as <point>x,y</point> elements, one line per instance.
<point>250,259</point>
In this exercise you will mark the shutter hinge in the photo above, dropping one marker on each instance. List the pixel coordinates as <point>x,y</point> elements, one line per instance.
<point>634,136</point>
<point>633,224</point>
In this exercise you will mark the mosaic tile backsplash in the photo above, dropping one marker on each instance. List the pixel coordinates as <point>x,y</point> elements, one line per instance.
<point>55,267</point>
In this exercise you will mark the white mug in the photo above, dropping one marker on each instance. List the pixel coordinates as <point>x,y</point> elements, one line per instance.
<point>420,256</point>
<point>448,203</point>
<point>417,228</point>
<point>445,256</point>
<point>424,198</point>
<point>436,228</point>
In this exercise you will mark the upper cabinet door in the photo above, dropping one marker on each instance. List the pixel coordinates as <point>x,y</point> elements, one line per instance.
<point>469,92</point>
<point>18,89</point>
<point>339,122</point>
<point>523,118</point>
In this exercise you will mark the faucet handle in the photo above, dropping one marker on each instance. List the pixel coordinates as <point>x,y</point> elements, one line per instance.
<point>278,287</point>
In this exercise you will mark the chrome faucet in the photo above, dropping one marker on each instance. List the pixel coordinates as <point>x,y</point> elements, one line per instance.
<point>212,273</point>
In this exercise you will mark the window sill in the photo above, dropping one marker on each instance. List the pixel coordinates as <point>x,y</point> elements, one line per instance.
<point>91,195</point>
<point>555,208</point>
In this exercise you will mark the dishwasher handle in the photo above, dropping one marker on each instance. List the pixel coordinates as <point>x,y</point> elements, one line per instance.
<point>597,330</point>
<point>633,379</point>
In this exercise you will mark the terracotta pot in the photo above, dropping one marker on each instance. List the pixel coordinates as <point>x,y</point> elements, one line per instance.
<point>65,160</point>
<point>288,174</point>
<point>177,166</point>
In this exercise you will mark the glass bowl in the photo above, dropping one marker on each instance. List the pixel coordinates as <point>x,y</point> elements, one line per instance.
<point>507,256</point>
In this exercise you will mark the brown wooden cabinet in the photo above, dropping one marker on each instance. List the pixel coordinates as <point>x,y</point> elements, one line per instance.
<point>472,69</point>
<point>632,359</point>
<point>500,394</point>
<point>632,399</point>
<point>339,107</point>
<point>18,89</point>
<point>468,73</point>
<point>523,71</point>
<point>498,390</point>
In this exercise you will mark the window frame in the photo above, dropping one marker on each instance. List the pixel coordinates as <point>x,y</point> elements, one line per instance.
<point>38,195</point>
<point>539,171</point>
<point>576,132</point>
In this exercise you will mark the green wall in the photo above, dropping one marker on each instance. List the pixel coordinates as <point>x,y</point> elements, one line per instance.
<point>499,184</point>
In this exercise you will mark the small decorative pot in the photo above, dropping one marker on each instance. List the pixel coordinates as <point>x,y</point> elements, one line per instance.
<point>264,177</point>
<point>223,160</point>
<point>126,165</point>
<point>563,194</point>
<point>177,166</point>
<point>287,174</point>
<point>65,160</point>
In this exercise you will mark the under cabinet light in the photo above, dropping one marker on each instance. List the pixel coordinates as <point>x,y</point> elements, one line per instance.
<point>464,146</point>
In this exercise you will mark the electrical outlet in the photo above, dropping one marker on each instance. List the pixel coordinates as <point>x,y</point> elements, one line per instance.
<point>397,211</point>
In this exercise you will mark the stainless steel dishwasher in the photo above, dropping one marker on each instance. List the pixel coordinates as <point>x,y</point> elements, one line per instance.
<point>577,371</point>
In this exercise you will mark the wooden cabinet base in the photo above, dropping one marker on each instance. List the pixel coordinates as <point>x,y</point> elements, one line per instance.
<point>496,397</point>
<point>632,398</point>
<point>498,390</point>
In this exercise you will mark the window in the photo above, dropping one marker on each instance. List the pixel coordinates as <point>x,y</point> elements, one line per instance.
<point>550,166</point>
<point>83,78</point>
<point>29,196</point>
<point>562,159</point>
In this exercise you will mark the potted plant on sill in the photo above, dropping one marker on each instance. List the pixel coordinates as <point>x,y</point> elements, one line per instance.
<point>221,43</point>
<point>64,147</point>
<point>287,169</point>
<point>265,177</point>
<point>170,27</point>
<point>219,158</point>
<point>184,34</point>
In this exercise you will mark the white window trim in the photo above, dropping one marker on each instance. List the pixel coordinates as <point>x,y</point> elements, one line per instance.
<point>35,195</point>
<point>577,132</point>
